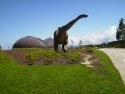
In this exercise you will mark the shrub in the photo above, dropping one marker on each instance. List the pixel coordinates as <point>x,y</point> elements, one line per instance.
<point>49,55</point>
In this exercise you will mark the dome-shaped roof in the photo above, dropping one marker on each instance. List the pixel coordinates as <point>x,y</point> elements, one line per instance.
<point>29,42</point>
<point>49,42</point>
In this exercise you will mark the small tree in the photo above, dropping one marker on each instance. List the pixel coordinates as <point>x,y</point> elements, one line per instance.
<point>72,43</point>
<point>80,43</point>
<point>120,34</point>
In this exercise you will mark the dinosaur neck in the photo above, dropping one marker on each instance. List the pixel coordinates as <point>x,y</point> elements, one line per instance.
<point>69,25</point>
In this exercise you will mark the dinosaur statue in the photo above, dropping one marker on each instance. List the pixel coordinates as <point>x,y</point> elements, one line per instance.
<point>61,35</point>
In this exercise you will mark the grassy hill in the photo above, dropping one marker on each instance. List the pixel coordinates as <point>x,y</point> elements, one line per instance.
<point>75,78</point>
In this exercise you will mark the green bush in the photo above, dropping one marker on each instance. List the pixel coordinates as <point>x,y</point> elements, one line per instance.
<point>48,55</point>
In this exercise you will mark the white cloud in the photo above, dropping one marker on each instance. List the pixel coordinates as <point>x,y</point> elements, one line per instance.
<point>6,46</point>
<point>95,37</point>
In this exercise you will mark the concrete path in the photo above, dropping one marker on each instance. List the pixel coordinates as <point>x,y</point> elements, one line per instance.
<point>117,55</point>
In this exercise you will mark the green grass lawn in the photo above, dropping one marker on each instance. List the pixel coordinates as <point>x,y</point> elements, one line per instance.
<point>59,79</point>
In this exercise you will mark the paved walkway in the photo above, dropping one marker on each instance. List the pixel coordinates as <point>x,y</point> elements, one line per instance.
<point>117,56</point>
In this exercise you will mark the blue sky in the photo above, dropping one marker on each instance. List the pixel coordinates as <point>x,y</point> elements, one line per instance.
<point>40,18</point>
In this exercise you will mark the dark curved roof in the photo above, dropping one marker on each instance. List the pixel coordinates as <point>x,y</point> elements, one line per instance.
<point>49,42</point>
<point>29,42</point>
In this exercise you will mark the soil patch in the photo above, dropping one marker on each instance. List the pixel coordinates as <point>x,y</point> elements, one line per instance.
<point>20,57</point>
<point>91,60</point>
<point>17,55</point>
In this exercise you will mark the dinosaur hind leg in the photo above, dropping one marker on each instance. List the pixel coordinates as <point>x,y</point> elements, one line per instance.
<point>55,45</point>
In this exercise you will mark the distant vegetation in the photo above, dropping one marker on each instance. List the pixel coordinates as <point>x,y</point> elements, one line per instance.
<point>114,44</point>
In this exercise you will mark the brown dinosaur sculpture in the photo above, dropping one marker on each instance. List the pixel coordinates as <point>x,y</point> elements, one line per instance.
<point>61,35</point>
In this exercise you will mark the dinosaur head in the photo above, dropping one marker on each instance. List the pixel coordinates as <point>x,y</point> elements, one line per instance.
<point>82,16</point>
